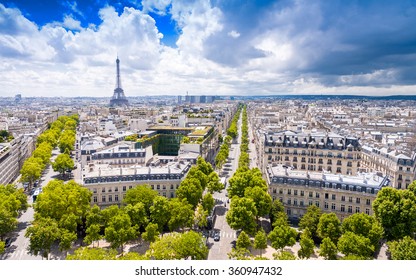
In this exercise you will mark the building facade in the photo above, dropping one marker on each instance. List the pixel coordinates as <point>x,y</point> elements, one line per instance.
<point>343,195</point>
<point>312,151</point>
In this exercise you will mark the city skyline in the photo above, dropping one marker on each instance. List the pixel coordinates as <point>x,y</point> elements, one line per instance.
<point>55,48</point>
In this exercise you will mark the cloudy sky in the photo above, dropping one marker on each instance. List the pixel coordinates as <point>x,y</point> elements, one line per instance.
<point>247,47</point>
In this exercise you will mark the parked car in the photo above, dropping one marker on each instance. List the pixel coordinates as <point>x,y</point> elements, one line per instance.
<point>8,242</point>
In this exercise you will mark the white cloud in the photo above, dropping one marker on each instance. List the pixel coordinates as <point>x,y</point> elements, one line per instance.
<point>71,23</point>
<point>233,34</point>
<point>156,6</point>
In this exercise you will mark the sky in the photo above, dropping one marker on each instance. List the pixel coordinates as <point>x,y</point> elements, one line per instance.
<point>209,47</point>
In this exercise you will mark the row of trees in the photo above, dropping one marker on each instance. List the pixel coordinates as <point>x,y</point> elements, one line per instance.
<point>5,136</point>
<point>12,203</point>
<point>61,133</point>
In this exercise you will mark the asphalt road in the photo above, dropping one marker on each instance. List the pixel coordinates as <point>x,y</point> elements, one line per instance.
<point>219,249</point>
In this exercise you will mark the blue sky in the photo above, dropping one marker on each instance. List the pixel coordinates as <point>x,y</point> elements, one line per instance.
<point>248,47</point>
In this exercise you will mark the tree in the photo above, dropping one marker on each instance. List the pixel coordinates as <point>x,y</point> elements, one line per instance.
<point>63,162</point>
<point>248,179</point>
<point>178,246</point>
<point>66,238</point>
<point>2,247</point>
<point>208,202</point>
<point>276,208</point>
<point>243,241</point>
<point>260,241</point>
<point>8,222</point>
<point>353,244</point>
<point>42,234</point>
<point>306,245</point>
<point>396,211</point>
<point>364,225</point>
<point>191,245</point>
<point>133,256</point>
<point>204,166</point>
<point>214,184</point>
<point>143,194</point>
<point>404,249</point>
<point>329,226</point>
<point>31,170</point>
<point>328,249</point>
<point>66,141</point>
<point>239,254</point>
<point>242,214</point>
<point>262,200</point>
<point>282,236</point>
<point>44,152</point>
<point>137,215</point>
<point>120,230</point>
<point>160,211</point>
<point>200,217</point>
<point>181,214</point>
<point>93,234</point>
<point>151,233</point>
<point>191,190</point>
<point>284,256</point>
<point>310,220</point>
<point>85,253</point>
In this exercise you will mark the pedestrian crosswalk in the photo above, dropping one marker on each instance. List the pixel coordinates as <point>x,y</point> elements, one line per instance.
<point>224,234</point>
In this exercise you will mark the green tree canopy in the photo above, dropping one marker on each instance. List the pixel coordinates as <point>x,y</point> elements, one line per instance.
<point>152,232</point>
<point>242,214</point>
<point>31,170</point>
<point>364,225</point>
<point>181,214</point>
<point>85,253</point>
<point>353,244</point>
<point>329,226</point>
<point>242,180</point>
<point>310,220</point>
<point>404,249</point>
<point>243,241</point>
<point>143,194</point>
<point>42,234</point>
<point>120,230</point>
<point>208,202</point>
<point>62,163</point>
<point>396,211</point>
<point>260,241</point>
<point>262,200</point>
<point>137,214</point>
<point>191,190</point>
<point>160,211</point>
<point>307,245</point>
<point>282,236</point>
<point>328,249</point>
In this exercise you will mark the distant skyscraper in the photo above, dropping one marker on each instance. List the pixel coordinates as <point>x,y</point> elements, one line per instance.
<point>118,99</point>
<point>17,98</point>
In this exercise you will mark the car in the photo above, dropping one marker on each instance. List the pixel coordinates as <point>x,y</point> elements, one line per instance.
<point>7,242</point>
<point>217,236</point>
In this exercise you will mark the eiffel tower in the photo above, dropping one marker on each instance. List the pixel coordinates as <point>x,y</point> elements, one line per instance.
<point>118,99</point>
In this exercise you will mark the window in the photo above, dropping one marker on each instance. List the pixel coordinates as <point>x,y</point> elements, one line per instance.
<point>310,202</point>
<point>295,202</point>
<point>103,198</point>
<point>326,205</point>
<point>342,208</point>
<point>317,195</point>
<point>357,209</point>
<point>109,189</point>
<point>301,203</point>
<point>110,198</point>
<point>289,201</point>
<point>310,194</point>
<point>333,206</point>
<point>350,199</point>
<point>295,192</point>
<point>289,191</point>
<point>326,196</point>
<point>280,191</point>
<point>343,198</point>
<point>158,187</point>
<point>357,200</point>
<point>130,187</point>
<point>103,190</point>
<point>95,199</point>
<point>368,202</point>
<point>95,190</point>
<point>334,197</point>
<point>302,193</point>
<point>116,197</point>
<point>124,188</point>
<point>367,211</point>
<point>350,209</point>
<point>317,203</point>
<point>116,189</point>
<point>171,187</point>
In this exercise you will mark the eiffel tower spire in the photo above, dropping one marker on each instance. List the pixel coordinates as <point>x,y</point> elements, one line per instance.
<point>118,99</point>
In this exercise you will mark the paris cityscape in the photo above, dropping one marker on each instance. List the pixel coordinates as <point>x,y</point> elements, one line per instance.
<point>204,147</point>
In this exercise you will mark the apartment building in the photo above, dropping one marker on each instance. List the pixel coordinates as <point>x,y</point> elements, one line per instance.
<point>400,168</point>
<point>109,185</point>
<point>343,195</point>
<point>312,151</point>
